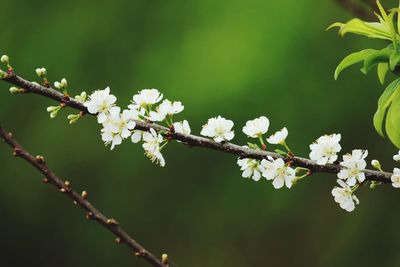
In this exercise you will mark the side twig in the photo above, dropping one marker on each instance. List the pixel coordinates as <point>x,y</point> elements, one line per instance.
<point>359,9</point>
<point>193,140</point>
<point>80,199</point>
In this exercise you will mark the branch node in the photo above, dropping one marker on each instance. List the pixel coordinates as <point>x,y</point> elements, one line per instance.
<point>112,221</point>
<point>10,72</point>
<point>17,152</point>
<point>46,83</point>
<point>140,253</point>
<point>89,215</point>
<point>164,259</point>
<point>65,99</point>
<point>67,184</point>
<point>45,180</point>
<point>40,159</point>
<point>63,190</point>
<point>118,240</point>
<point>84,194</point>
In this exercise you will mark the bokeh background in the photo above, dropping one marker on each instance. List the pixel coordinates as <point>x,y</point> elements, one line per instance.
<point>239,59</point>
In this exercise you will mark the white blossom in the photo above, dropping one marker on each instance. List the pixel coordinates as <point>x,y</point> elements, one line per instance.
<point>344,196</point>
<point>182,127</point>
<point>151,146</point>
<point>353,166</point>
<point>41,72</point>
<point>251,168</point>
<point>396,178</point>
<point>136,136</point>
<point>324,150</point>
<point>170,108</point>
<point>397,157</point>
<point>166,108</point>
<point>117,127</point>
<point>147,97</point>
<point>279,172</point>
<point>156,116</point>
<point>220,129</point>
<point>279,137</point>
<point>101,102</point>
<point>257,127</point>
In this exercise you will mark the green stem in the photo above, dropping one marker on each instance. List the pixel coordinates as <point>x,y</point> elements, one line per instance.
<point>286,146</point>
<point>163,145</point>
<point>260,137</point>
<point>354,189</point>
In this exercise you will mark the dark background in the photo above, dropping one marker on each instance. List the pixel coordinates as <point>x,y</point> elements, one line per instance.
<point>239,59</point>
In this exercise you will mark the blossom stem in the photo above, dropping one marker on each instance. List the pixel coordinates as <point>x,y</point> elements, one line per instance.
<point>163,145</point>
<point>260,137</point>
<point>354,189</point>
<point>286,146</point>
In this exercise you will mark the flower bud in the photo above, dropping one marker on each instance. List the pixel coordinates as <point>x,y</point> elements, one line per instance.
<point>376,164</point>
<point>64,82</point>
<point>81,98</point>
<point>73,118</point>
<point>15,90</point>
<point>374,184</point>
<point>61,85</point>
<point>53,111</point>
<point>51,108</point>
<point>41,72</point>
<point>53,114</point>
<point>5,59</point>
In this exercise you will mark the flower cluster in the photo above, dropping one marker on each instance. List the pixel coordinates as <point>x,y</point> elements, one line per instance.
<point>119,125</point>
<point>325,151</point>
<point>276,170</point>
<point>220,129</point>
<point>353,165</point>
<point>344,196</point>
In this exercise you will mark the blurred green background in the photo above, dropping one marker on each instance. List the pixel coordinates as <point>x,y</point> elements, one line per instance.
<point>239,59</point>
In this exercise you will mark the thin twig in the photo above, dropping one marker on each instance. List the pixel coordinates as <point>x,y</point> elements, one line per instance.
<point>193,140</point>
<point>80,199</point>
<point>359,9</point>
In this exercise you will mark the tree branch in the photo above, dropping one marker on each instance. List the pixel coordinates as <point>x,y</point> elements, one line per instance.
<point>359,9</point>
<point>193,140</point>
<point>80,199</point>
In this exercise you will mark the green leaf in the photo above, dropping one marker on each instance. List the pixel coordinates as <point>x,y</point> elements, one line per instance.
<point>393,120</point>
<point>394,60</point>
<point>253,146</point>
<point>352,59</point>
<point>368,29</point>
<point>377,57</point>
<point>281,152</point>
<point>383,104</point>
<point>382,71</point>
